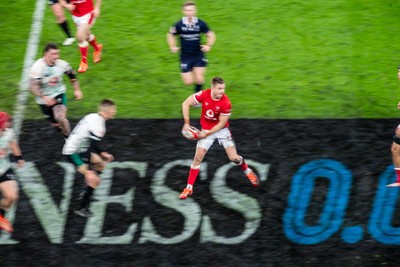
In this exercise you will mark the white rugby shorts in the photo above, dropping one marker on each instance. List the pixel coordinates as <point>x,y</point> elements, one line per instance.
<point>85,19</point>
<point>223,136</point>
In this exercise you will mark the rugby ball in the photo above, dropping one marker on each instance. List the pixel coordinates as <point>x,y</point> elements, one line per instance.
<point>191,134</point>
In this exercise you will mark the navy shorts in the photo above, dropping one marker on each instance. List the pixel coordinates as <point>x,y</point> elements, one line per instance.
<point>188,63</point>
<point>52,2</point>
<point>7,176</point>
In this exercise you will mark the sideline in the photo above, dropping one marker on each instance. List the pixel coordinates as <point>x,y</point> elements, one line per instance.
<point>30,55</point>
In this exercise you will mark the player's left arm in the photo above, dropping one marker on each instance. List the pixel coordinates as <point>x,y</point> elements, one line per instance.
<point>211,38</point>
<point>16,150</point>
<point>96,10</point>
<point>223,119</point>
<point>75,83</point>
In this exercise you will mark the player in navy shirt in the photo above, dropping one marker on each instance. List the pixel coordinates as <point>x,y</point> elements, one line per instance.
<point>192,59</point>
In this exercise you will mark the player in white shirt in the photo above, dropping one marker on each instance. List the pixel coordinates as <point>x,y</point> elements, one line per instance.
<point>8,184</point>
<point>84,149</point>
<point>47,85</point>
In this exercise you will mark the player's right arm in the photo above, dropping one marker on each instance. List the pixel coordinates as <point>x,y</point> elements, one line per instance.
<point>190,101</point>
<point>35,88</point>
<point>171,40</point>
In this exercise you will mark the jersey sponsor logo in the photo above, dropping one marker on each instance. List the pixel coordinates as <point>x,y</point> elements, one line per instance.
<point>190,28</point>
<point>59,99</point>
<point>190,37</point>
<point>210,115</point>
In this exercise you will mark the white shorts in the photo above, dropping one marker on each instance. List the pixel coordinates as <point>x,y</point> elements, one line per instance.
<point>85,19</point>
<point>224,137</point>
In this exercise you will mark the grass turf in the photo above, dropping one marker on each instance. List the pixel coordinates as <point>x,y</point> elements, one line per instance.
<point>281,59</point>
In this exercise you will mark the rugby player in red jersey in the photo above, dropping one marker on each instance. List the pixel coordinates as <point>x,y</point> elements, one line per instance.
<point>216,110</point>
<point>84,14</point>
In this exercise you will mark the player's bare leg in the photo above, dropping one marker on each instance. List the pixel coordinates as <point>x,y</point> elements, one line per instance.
<point>61,20</point>
<point>98,48</point>
<point>193,172</point>
<point>187,78</point>
<point>239,160</point>
<point>198,75</point>
<point>9,192</point>
<point>82,36</point>
<point>92,180</point>
<point>395,150</point>
<point>60,115</point>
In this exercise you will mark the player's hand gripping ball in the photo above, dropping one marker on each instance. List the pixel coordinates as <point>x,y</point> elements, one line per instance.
<point>191,134</point>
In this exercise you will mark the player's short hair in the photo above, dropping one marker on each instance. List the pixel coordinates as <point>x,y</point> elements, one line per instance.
<point>188,3</point>
<point>50,46</point>
<point>217,80</point>
<point>107,103</point>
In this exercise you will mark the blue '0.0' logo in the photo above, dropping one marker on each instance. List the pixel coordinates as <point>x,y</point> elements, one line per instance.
<point>331,218</point>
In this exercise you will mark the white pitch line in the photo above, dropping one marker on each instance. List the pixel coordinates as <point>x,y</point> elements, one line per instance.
<point>30,55</point>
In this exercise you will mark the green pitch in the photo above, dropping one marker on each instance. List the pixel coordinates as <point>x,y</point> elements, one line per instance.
<point>281,58</point>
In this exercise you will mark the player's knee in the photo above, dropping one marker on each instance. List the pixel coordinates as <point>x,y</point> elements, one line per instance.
<point>396,140</point>
<point>235,160</point>
<point>13,198</point>
<point>82,39</point>
<point>98,166</point>
<point>8,200</point>
<point>395,149</point>
<point>92,179</point>
<point>199,80</point>
<point>188,82</point>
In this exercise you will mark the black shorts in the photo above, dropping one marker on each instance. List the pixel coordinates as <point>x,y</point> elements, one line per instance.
<point>48,111</point>
<point>79,159</point>
<point>7,176</point>
<point>188,63</point>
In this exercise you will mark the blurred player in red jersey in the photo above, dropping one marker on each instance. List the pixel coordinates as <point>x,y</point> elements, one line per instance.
<point>8,184</point>
<point>61,20</point>
<point>216,110</point>
<point>84,14</point>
